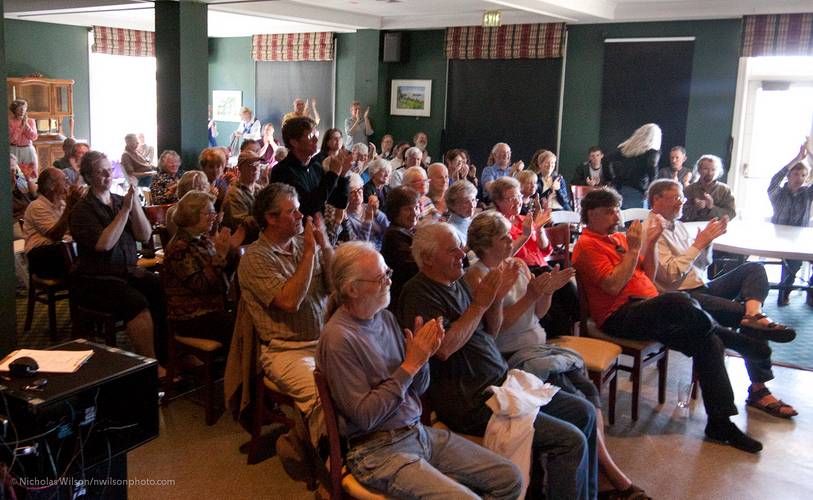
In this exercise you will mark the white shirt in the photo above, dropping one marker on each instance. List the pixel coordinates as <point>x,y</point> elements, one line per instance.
<point>40,217</point>
<point>681,266</point>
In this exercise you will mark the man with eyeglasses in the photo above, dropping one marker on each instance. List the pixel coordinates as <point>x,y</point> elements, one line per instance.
<point>283,279</point>
<point>313,184</point>
<point>376,373</point>
<point>734,299</point>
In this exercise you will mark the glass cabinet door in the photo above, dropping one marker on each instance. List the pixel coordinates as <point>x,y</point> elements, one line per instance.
<point>61,99</point>
<point>37,96</point>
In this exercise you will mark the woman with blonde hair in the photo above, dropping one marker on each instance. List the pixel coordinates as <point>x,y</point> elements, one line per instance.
<point>550,185</point>
<point>635,164</point>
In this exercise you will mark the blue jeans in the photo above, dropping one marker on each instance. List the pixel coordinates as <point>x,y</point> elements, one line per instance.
<point>424,462</point>
<point>632,198</point>
<point>722,296</point>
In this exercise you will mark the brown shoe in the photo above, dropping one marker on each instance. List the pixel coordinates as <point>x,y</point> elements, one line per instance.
<point>293,455</point>
<point>783,298</point>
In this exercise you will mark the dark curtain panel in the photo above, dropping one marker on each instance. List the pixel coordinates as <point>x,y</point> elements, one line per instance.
<point>645,82</point>
<point>514,101</point>
<point>279,83</point>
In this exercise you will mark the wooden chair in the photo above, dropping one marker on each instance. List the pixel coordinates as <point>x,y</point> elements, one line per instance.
<point>559,237</point>
<point>47,291</point>
<point>157,214</point>
<point>268,408</point>
<point>642,352</point>
<point>342,483</point>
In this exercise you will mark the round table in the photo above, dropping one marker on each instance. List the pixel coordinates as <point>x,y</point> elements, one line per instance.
<point>762,239</point>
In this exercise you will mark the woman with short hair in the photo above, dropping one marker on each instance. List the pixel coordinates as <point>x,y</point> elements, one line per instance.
<point>212,161</point>
<point>551,186</point>
<point>396,247</point>
<point>192,180</point>
<point>364,221</point>
<point>22,132</point>
<point>378,186</point>
<point>461,200</point>
<point>164,185</point>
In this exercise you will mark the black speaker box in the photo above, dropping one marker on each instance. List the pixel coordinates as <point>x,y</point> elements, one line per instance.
<point>394,48</point>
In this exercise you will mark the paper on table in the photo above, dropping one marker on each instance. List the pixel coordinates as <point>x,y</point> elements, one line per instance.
<point>50,361</point>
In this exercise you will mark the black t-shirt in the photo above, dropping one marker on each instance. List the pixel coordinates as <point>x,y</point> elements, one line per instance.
<point>88,220</point>
<point>458,388</point>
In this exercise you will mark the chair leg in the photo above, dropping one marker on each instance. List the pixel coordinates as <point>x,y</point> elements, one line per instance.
<point>613,392</point>
<point>52,313</point>
<point>695,380</point>
<point>209,384</point>
<point>171,367</point>
<point>257,425</point>
<point>663,366</point>
<point>636,386</point>
<point>32,300</point>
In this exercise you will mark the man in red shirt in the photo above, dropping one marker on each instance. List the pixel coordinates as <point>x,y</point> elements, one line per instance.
<point>616,272</point>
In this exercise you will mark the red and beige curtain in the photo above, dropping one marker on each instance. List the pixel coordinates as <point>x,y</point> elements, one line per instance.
<point>293,47</point>
<point>515,41</point>
<point>777,35</point>
<point>123,42</point>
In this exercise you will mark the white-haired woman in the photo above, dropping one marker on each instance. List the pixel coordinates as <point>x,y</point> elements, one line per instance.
<point>164,185</point>
<point>635,164</point>
<point>522,341</point>
<point>411,157</point>
<point>360,156</point>
<point>379,170</point>
<point>461,200</point>
<point>364,221</point>
<point>193,180</point>
<point>193,276</point>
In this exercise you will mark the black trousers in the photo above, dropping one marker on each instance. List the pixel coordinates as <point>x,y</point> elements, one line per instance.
<point>677,321</point>
<point>564,307</point>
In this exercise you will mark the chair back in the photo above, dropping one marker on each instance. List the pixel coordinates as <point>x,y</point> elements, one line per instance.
<point>579,192</point>
<point>69,255</point>
<point>331,422</point>
<point>565,217</point>
<point>157,214</point>
<point>559,237</point>
<point>632,214</point>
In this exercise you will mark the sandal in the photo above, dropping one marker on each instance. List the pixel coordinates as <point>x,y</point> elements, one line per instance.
<point>776,332</point>
<point>774,409</point>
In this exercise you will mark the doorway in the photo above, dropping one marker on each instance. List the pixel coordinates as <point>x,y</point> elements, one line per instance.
<point>773,114</point>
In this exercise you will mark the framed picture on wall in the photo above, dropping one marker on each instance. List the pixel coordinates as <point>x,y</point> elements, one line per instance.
<point>411,97</point>
<point>226,105</point>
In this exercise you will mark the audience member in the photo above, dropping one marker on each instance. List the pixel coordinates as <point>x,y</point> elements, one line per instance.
<point>376,378</point>
<point>46,222</point>
<point>164,185</point>
<point>284,284</point>
<point>734,299</point>
<point>676,169</point>
<point>212,161</point>
<point>23,191</point>
<point>456,165</point>
<point>357,128</point>
<point>522,341</point>
<point>240,198</point>
<point>249,128</point>
<point>22,132</point>
<point>411,157</point>
<point>461,200</point>
<point>528,184</point>
<point>314,185</point>
<point>438,184</point>
<point>501,166</point>
<point>398,154</point>
<point>708,198</point>
<point>364,221</point>
<point>379,170</point>
<point>303,108</point>
<point>615,271</point>
<point>212,128</point>
<point>106,227</point>
<point>415,179</point>
<point>331,144</point>
<point>72,174</point>
<point>360,156</point>
<point>268,146</point>
<point>387,143</point>
<point>193,275</point>
<point>145,150</point>
<point>135,166</point>
<point>403,209</point>
<point>193,180</point>
<point>421,141</point>
<point>552,186</point>
<point>65,162</point>
<point>468,361</point>
<point>635,164</point>
<point>593,172</point>
<point>791,206</point>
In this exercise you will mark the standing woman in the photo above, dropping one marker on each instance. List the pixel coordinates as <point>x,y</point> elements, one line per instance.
<point>635,164</point>
<point>331,144</point>
<point>550,185</point>
<point>22,132</point>
<point>268,146</point>
<point>249,128</point>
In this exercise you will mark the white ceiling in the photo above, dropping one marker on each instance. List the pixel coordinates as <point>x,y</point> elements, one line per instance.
<point>241,18</point>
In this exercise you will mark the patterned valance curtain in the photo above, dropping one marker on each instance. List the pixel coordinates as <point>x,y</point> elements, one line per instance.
<point>514,41</point>
<point>293,47</point>
<point>123,42</point>
<point>777,35</point>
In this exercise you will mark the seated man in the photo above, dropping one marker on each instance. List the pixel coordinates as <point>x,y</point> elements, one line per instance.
<point>468,361</point>
<point>499,165</point>
<point>707,197</point>
<point>591,172</point>
<point>283,278</point>
<point>240,196</point>
<point>67,147</point>
<point>106,227</point>
<point>376,378</point>
<point>733,299</point>
<point>134,164</point>
<point>616,271</point>
<point>676,169</point>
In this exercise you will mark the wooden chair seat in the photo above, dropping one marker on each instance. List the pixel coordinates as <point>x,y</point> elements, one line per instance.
<point>200,344</point>
<point>49,282</point>
<point>596,333</point>
<point>598,354</point>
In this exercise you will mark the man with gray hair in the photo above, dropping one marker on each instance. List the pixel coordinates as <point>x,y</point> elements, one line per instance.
<point>376,376</point>
<point>283,279</point>
<point>412,158</point>
<point>501,166</point>
<point>708,198</point>
<point>468,360</point>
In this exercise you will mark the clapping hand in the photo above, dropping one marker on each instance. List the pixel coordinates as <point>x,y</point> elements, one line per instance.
<point>320,231</point>
<point>655,227</point>
<point>557,183</point>
<point>486,291</point>
<point>308,237</point>
<point>517,167</point>
<point>510,270</point>
<point>634,236</point>
<point>367,113</point>
<point>558,278</point>
<point>372,208</point>
<point>127,204</point>
<point>341,163</point>
<point>423,344</point>
<point>221,241</point>
<point>714,229</point>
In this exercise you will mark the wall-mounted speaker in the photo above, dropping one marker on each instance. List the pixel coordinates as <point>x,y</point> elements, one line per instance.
<point>394,47</point>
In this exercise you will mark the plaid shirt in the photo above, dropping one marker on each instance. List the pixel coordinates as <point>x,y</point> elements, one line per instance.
<point>792,209</point>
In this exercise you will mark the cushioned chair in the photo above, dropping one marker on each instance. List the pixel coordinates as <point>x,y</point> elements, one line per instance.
<point>47,291</point>
<point>642,352</point>
<point>342,483</point>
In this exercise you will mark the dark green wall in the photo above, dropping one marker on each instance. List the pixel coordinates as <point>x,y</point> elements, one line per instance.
<point>8,337</point>
<point>231,68</point>
<point>56,51</point>
<point>713,86</point>
<point>426,61</point>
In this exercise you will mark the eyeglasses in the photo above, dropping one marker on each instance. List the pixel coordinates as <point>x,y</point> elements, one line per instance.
<point>382,281</point>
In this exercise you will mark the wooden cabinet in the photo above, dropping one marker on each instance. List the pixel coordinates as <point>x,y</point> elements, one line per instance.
<point>50,104</point>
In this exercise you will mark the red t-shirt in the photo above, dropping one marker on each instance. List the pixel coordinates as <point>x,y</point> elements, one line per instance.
<point>530,251</point>
<point>594,258</point>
